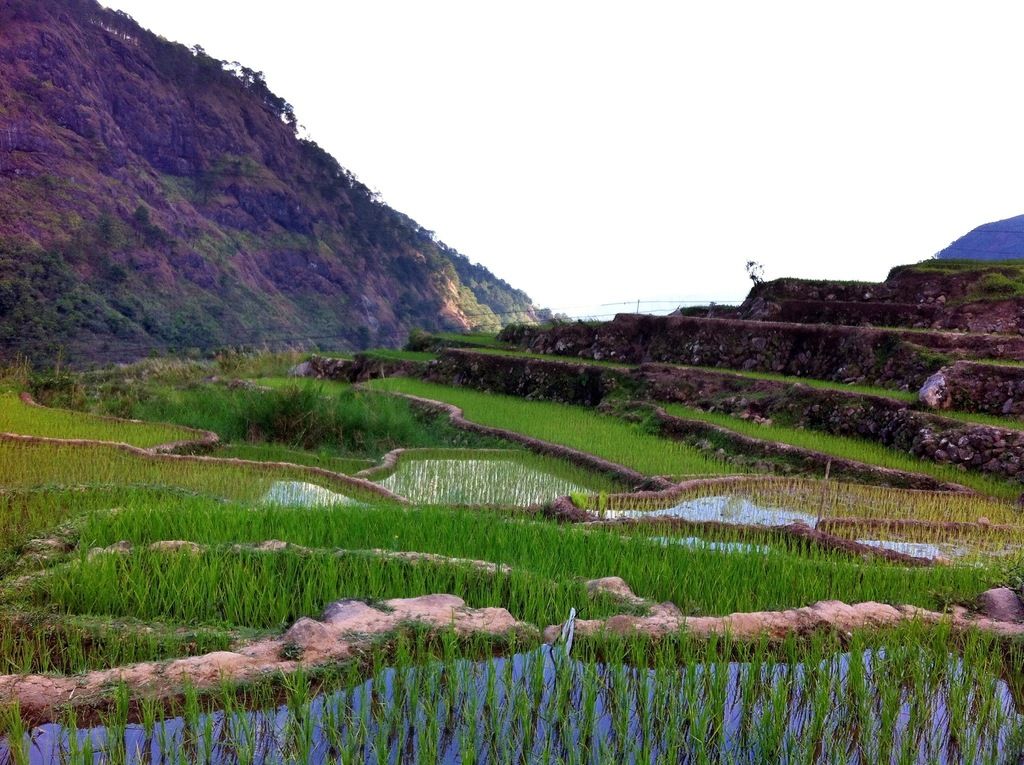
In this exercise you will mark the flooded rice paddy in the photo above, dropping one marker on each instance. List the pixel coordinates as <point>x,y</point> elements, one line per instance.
<point>867,706</point>
<point>485,478</point>
<point>731,509</point>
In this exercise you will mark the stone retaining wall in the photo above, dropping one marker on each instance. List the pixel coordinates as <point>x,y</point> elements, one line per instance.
<point>977,387</point>
<point>845,354</point>
<point>895,358</point>
<point>999,451</point>
<point>358,369</point>
<point>564,380</point>
<point>909,297</point>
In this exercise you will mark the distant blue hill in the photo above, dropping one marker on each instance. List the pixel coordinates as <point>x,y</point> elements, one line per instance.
<point>1001,240</point>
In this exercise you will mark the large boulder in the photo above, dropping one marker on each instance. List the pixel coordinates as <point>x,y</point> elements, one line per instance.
<point>935,392</point>
<point>1001,604</point>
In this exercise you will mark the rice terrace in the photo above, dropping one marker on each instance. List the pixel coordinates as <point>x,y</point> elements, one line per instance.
<point>574,542</point>
<point>286,479</point>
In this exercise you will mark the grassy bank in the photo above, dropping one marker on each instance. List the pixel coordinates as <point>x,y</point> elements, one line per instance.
<point>606,436</point>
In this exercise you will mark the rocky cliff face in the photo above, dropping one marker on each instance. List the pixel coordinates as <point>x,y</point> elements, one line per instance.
<point>152,197</point>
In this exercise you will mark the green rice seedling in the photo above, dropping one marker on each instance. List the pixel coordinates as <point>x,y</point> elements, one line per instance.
<point>29,465</point>
<point>519,354</point>
<point>18,417</point>
<point>834,499</point>
<point>624,443</point>
<point>858,449</point>
<point>964,545</point>
<point>980,418</point>
<point>699,579</point>
<point>12,734</point>
<point>68,649</point>
<point>272,590</point>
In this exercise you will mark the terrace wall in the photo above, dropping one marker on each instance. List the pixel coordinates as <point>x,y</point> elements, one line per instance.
<point>361,368</point>
<point>888,357</point>
<point>999,451</point>
<point>557,380</point>
<point>975,387</point>
<point>909,297</point>
<point>847,354</point>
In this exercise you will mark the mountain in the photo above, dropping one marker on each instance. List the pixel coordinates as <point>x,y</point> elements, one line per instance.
<point>153,198</point>
<point>1001,240</point>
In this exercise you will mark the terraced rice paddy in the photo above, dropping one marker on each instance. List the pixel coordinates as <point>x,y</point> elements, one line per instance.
<point>576,427</point>
<point>279,453</point>
<point>701,581</point>
<point>858,449</point>
<point>831,499</point>
<point>890,699</point>
<point>18,417</point>
<point>164,609</point>
<point>46,464</point>
<point>466,477</point>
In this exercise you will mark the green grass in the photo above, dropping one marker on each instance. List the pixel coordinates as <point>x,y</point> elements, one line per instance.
<point>698,580</point>
<point>388,354</point>
<point>978,418</point>
<point>326,387</point>
<point>603,435</point>
<point>846,447</point>
<point>479,339</point>
<point>308,415</point>
<point>277,453</point>
<point>18,417</point>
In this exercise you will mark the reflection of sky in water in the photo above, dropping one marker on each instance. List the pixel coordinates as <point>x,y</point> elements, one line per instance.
<point>702,544</point>
<point>945,549</point>
<point>301,494</point>
<point>516,709</point>
<point>725,509</point>
<point>476,482</point>
<point>917,549</point>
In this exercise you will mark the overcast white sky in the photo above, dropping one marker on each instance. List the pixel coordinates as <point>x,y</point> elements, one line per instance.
<point>593,152</point>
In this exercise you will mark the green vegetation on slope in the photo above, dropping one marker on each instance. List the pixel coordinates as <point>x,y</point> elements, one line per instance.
<point>258,589</point>
<point>324,458</point>
<point>847,447</point>
<point>18,417</point>
<point>306,414</point>
<point>698,580</point>
<point>42,465</point>
<point>606,436</point>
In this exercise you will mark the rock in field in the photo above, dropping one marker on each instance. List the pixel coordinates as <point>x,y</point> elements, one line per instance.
<point>935,392</point>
